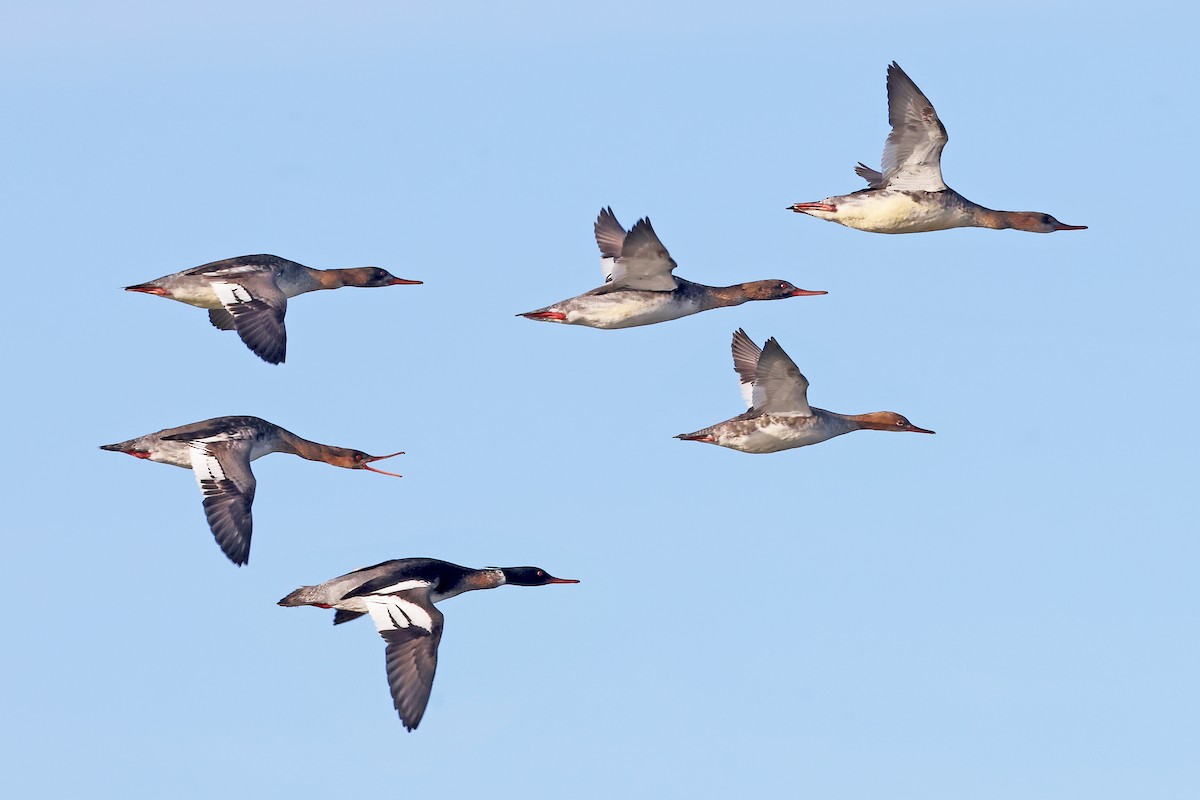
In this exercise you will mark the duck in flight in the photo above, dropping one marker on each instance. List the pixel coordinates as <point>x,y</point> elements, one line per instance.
<point>400,596</point>
<point>249,294</point>
<point>909,196</point>
<point>639,288</point>
<point>219,452</point>
<point>780,417</point>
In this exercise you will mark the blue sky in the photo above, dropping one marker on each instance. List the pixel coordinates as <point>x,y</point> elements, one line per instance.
<point>1006,609</point>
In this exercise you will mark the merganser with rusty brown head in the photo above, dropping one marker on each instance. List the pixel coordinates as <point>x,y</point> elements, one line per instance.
<point>909,195</point>
<point>639,288</point>
<point>780,417</point>
<point>400,596</point>
<point>249,294</point>
<point>219,452</point>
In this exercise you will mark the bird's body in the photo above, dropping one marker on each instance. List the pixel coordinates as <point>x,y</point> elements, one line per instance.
<point>219,452</point>
<point>770,433</point>
<point>399,596</point>
<point>629,308</point>
<point>900,211</point>
<point>640,288</point>
<point>909,195</point>
<point>779,416</point>
<point>249,294</point>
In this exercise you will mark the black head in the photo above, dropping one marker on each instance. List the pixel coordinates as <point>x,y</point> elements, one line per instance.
<point>531,576</point>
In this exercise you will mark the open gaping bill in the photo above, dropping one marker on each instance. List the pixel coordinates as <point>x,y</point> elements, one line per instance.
<point>909,196</point>
<point>249,294</point>
<point>639,288</point>
<point>400,595</point>
<point>780,417</point>
<point>219,452</point>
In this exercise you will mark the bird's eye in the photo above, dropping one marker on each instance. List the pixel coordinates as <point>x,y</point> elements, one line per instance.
<point>902,423</point>
<point>1045,219</point>
<point>540,574</point>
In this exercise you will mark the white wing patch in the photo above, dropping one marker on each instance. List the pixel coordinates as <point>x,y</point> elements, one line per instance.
<point>414,583</point>
<point>753,394</point>
<point>231,294</point>
<point>242,270</point>
<point>392,613</point>
<point>607,265</point>
<point>205,465</point>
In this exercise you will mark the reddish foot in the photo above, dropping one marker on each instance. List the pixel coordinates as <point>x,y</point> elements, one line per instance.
<point>147,290</point>
<point>800,208</point>
<point>545,315</point>
<point>694,438</point>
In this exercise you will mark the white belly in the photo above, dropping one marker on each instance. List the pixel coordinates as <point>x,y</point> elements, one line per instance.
<point>178,454</point>
<point>199,294</point>
<point>894,212</point>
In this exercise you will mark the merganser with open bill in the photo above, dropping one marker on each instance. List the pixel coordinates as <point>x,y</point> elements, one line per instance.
<point>249,294</point>
<point>219,452</point>
<point>400,596</point>
<point>909,196</point>
<point>639,288</point>
<point>780,417</point>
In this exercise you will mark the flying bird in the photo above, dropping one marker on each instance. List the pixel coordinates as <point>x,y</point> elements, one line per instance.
<point>909,196</point>
<point>219,452</point>
<point>249,294</point>
<point>780,417</point>
<point>639,288</point>
<point>400,596</point>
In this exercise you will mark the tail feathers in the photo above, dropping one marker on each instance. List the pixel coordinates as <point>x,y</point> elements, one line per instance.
<point>545,315</point>
<point>300,597</point>
<point>341,616</point>
<point>147,288</point>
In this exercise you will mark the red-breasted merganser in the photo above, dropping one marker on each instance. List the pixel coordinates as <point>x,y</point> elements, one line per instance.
<point>639,288</point>
<point>219,452</point>
<point>909,196</point>
<point>780,417</point>
<point>400,595</point>
<point>249,294</point>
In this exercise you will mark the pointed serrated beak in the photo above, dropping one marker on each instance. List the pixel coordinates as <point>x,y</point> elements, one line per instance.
<point>381,458</point>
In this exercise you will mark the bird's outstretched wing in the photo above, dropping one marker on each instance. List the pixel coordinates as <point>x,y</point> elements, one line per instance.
<point>771,382</point>
<point>643,262</point>
<point>222,470</point>
<point>252,297</point>
<point>412,627</point>
<point>912,155</point>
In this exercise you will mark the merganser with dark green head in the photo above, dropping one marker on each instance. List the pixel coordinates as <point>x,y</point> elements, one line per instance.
<point>399,596</point>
